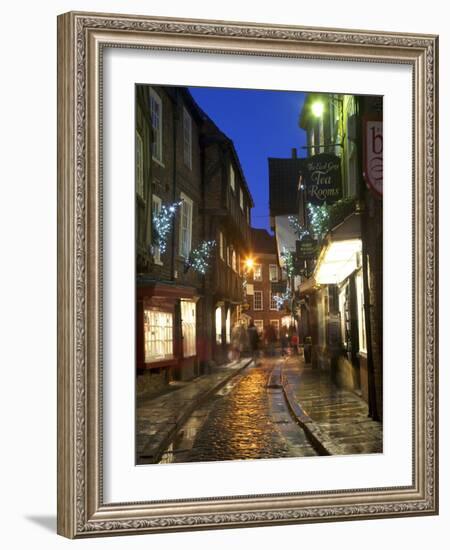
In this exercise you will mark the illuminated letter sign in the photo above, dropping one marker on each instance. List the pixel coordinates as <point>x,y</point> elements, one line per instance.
<point>373,154</point>
<point>322,178</point>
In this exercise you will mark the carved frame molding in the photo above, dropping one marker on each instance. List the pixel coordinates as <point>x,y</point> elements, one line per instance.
<point>81,39</point>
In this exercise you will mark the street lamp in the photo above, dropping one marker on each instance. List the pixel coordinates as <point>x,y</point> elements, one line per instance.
<point>249,264</point>
<point>317,108</point>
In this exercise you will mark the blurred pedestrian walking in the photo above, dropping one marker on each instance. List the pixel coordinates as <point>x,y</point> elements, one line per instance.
<point>239,341</point>
<point>253,340</point>
<point>284,338</point>
<point>270,337</point>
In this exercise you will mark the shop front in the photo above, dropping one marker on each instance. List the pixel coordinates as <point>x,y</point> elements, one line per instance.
<point>166,333</point>
<point>342,315</point>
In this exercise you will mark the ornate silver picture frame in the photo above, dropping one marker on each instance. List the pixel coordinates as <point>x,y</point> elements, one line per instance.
<point>82,509</point>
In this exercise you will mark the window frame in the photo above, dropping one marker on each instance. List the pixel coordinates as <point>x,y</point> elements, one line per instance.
<point>233,260</point>
<point>260,276</point>
<point>221,246</point>
<point>156,98</point>
<point>156,249</point>
<point>260,293</point>
<point>147,341</point>
<point>189,342</point>
<point>218,334</point>
<point>361,313</point>
<point>232,178</point>
<point>185,200</point>
<point>271,279</point>
<point>271,302</point>
<point>140,189</point>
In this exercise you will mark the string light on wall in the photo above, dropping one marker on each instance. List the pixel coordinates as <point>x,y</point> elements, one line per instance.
<point>162,225</point>
<point>200,258</point>
<point>318,219</point>
<point>299,230</point>
<point>281,299</point>
<point>288,260</point>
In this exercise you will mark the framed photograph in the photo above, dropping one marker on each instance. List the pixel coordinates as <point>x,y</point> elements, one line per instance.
<point>247,284</point>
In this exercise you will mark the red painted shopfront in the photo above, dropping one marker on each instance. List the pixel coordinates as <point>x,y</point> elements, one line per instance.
<point>166,329</point>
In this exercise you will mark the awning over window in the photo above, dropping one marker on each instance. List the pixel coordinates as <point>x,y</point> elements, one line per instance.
<point>339,260</point>
<point>341,255</point>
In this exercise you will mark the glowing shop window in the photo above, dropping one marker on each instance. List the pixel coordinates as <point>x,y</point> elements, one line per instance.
<point>188,324</point>
<point>218,325</point>
<point>228,326</point>
<point>158,335</point>
<point>361,313</point>
<point>259,324</point>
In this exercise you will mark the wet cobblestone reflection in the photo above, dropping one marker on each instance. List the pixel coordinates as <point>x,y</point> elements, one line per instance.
<point>244,420</point>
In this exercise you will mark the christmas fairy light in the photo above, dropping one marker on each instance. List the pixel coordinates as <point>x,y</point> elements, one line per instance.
<point>200,258</point>
<point>162,225</point>
<point>288,259</point>
<point>318,219</point>
<point>281,299</point>
<point>299,230</point>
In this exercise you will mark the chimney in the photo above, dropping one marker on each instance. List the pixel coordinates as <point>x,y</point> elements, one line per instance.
<point>294,152</point>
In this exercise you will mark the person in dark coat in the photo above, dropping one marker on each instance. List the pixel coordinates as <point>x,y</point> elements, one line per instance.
<point>271,339</point>
<point>284,337</point>
<point>253,339</point>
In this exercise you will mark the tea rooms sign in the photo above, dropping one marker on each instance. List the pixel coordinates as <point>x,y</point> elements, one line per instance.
<point>322,179</point>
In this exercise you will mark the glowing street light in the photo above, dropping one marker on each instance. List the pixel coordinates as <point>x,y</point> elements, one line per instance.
<point>317,108</point>
<point>249,263</point>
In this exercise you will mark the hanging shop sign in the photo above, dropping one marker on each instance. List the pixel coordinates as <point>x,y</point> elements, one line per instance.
<point>322,179</point>
<point>249,289</point>
<point>373,153</point>
<point>306,249</point>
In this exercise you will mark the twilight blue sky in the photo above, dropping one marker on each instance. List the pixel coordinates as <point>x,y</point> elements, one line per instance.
<point>262,124</point>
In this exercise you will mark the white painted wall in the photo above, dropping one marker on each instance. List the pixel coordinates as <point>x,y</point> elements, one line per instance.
<point>28,274</point>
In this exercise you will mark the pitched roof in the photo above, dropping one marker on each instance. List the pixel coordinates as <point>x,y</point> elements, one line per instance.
<point>263,242</point>
<point>283,182</point>
<point>211,126</point>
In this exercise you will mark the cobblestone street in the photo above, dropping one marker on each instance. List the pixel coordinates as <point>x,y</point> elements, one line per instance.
<point>247,419</point>
<point>276,408</point>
